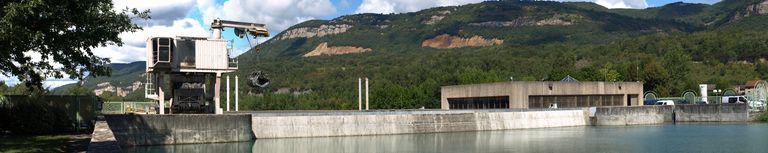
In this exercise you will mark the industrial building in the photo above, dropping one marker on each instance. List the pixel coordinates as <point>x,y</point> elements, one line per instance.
<point>529,94</point>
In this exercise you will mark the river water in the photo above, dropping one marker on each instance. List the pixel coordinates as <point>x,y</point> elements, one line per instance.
<point>693,137</point>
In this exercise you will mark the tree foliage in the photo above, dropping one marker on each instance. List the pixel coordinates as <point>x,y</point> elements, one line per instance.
<point>55,39</point>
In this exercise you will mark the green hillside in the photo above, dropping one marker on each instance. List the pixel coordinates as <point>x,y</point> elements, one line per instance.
<point>123,75</point>
<point>671,49</point>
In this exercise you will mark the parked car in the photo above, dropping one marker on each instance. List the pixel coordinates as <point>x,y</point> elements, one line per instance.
<point>665,102</point>
<point>650,102</point>
<point>734,99</point>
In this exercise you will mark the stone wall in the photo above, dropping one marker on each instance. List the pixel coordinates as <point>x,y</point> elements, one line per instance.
<point>314,125</point>
<point>712,113</point>
<point>179,129</point>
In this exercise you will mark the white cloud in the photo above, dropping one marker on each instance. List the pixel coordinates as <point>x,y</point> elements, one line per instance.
<point>163,12</point>
<point>634,4</point>
<point>134,48</point>
<point>400,6</point>
<point>637,4</point>
<point>278,15</point>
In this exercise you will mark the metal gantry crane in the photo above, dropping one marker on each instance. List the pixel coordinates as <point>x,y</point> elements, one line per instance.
<point>185,72</point>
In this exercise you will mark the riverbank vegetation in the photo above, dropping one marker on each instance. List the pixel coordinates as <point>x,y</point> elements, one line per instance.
<point>42,143</point>
<point>763,117</point>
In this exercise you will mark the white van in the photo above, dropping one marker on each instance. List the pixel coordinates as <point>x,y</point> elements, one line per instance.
<point>734,99</point>
<point>665,102</point>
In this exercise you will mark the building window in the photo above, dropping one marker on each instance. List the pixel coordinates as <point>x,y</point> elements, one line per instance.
<point>499,102</point>
<point>571,101</point>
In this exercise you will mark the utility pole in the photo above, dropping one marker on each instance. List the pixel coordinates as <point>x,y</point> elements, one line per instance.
<point>359,94</point>
<point>366,93</point>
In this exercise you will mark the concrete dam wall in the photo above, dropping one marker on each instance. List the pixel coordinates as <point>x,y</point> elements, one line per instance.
<point>712,113</point>
<point>286,126</point>
<point>635,115</point>
<point>130,130</point>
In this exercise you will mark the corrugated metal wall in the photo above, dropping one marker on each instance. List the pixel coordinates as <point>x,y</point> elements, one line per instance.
<point>211,54</point>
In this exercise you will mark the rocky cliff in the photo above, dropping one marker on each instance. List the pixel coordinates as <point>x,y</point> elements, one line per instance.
<point>324,49</point>
<point>309,32</point>
<point>446,41</point>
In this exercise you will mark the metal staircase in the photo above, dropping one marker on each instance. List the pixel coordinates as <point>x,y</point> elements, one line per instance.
<point>150,87</point>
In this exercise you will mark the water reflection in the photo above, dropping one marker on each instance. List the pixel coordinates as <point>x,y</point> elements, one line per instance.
<point>235,147</point>
<point>656,138</point>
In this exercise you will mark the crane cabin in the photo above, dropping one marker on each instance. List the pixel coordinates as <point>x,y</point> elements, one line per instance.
<point>184,73</point>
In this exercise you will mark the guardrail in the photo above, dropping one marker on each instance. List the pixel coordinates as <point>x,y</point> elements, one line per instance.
<point>129,107</point>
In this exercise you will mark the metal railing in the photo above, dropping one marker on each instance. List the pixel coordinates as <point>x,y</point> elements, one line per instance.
<point>754,105</point>
<point>129,107</point>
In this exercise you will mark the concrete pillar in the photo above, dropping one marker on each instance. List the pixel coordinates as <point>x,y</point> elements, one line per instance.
<point>626,100</point>
<point>237,105</point>
<point>227,93</point>
<point>366,93</point>
<point>216,95</point>
<point>359,94</point>
<point>160,93</point>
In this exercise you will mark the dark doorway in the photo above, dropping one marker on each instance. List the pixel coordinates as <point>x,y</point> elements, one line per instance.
<point>632,99</point>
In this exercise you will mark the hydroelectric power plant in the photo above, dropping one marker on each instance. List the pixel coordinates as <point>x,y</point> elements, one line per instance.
<point>184,74</point>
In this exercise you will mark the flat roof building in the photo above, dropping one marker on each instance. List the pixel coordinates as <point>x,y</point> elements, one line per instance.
<point>529,94</point>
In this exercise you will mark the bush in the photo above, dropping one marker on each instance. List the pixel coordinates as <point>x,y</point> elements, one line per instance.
<point>28,116</point>
<point>763,117</point>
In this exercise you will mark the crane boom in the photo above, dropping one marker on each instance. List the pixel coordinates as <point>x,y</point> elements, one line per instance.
<point>255,29</point>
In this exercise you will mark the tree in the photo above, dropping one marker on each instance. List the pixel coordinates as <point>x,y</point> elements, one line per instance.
<point>677,63</point>
<point>608,73</point>
<point>655,77</point>
<point>77,89</point>
<point>110,96</point>
<point>63,35</point>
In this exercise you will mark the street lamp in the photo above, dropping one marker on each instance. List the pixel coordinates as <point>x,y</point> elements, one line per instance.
<point>718,93</point>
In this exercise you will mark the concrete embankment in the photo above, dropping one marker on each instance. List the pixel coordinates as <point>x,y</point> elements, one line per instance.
<point>635,115</point>
<point>130,130</point>
<point>712,113</point>
<point>133,130</point>
<point>377,123</point>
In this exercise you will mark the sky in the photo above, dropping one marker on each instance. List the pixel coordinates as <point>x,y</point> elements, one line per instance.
<point>172,18</point>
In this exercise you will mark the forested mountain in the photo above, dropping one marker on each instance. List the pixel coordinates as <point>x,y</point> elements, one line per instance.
<point>408,56</point>
<point>125,83</point>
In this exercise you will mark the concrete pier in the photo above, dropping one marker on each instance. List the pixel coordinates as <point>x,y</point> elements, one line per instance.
<point>133,130</point>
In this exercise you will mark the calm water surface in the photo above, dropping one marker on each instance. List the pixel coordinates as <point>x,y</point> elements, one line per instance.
<point>707,137</point>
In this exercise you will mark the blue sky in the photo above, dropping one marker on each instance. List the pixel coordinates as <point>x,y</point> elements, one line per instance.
<point>192,18</point>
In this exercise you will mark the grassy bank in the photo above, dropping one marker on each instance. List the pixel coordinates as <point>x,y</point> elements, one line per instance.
<point>762,117</point>
<point>42,143</point>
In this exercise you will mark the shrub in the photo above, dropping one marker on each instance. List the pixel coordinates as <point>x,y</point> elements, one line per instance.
<point>30,116</point>
<point>763,117</point>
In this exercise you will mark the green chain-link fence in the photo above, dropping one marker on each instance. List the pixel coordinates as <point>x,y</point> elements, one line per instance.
<point>129,107</point>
